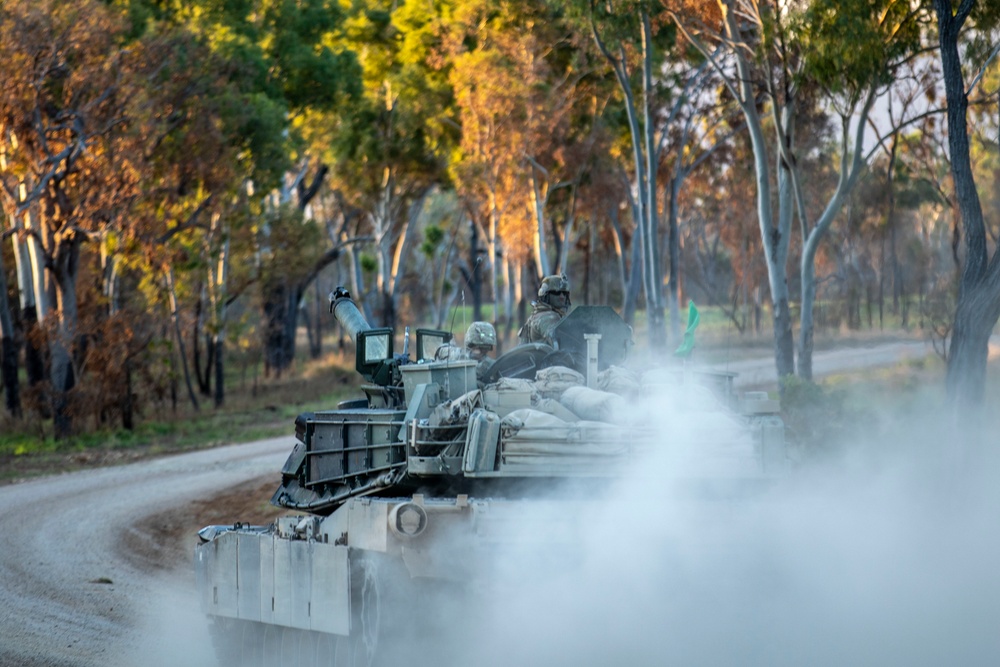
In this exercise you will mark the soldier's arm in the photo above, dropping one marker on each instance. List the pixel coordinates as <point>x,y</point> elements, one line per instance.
<point>547,327</point>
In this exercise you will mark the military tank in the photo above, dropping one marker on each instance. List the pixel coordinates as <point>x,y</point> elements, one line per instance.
<point>394,494</point>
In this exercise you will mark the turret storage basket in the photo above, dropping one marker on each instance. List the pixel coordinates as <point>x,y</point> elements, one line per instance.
<point>343,444</point>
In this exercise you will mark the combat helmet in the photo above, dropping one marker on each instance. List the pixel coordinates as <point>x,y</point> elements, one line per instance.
<point>558,283</point>
<point>481,334</point>
<point>552,287</point>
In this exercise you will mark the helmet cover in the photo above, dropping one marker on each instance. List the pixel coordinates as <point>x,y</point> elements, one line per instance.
<point>550,284</point>
<point>481,334</point>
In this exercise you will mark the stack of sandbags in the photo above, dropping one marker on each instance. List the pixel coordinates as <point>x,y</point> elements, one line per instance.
<point>595,405</point>
<point>619,380</point>
<point>551,382</point>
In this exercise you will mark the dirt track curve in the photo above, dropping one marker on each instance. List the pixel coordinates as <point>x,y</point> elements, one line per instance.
<point>83,581</point>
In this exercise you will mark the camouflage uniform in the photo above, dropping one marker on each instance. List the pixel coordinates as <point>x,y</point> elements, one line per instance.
<point>541,324</point>
<point>483,369</point>
<point>551,307</point>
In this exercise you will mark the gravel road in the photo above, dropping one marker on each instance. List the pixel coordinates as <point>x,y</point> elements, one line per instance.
<point>79,588</point>
<point>762,372</point>
<point>73,592</point>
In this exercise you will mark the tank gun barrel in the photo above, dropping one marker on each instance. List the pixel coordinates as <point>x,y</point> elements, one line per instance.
<point>346,311</point>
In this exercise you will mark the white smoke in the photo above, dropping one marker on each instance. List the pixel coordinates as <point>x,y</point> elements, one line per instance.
<point>887,557</point>
<point>173,631</point>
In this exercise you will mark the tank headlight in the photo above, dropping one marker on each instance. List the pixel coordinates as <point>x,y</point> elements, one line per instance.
<point>408,520</point>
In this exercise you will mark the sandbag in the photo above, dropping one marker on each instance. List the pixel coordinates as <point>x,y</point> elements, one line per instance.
<point>537,426</point>
<point>595,405</point>
<point>505,385</point>
<point>619,380</point>
<point>528,423</point>
<point>551,382</point>
<point>555,408</point>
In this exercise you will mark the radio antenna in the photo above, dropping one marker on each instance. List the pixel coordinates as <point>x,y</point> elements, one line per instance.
<point>468,281</point>
<point>454,313</point>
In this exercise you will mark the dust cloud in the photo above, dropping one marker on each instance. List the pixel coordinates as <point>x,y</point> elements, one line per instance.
<point>173,630</point>
<point>885,556</point>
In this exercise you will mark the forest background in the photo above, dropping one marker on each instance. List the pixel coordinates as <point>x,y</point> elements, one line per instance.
<point>184,182</point>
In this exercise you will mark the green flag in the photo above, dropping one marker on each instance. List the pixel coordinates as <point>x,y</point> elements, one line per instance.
<point>687,345</point>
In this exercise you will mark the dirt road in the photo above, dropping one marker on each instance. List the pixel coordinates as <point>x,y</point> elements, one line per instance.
<point>83,580</point>
<point>762,372</point>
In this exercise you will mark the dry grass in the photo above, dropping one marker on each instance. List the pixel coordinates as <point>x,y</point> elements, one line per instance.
<point>253,410</point>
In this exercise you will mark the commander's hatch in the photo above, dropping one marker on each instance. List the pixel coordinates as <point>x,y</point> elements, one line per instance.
<point>616,335</point>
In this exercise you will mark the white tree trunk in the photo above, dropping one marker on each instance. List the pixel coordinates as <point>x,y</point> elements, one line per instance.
<point>218,280</point>
<point>851,164</point>
<point>22,262</point>
<point>567,237</point>
<point>645,158</point>
<point>44,295</point>
<point>539,196</point>
<point>403,245</point>
<point>775,237</point>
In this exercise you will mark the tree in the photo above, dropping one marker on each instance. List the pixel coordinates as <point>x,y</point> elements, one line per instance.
<point>633,41</point>
<point>61,118</point>
<point>851,75</point>
<point>388,147</point>
<point>726,25</point>
<point>287,70</point>
<point>8,350</point>
<point>786,58</point>
<point>699,129</point>
<point>979,290</point>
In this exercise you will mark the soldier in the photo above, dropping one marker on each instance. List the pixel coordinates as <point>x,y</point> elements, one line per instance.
<point>551,306</point>
<point>480,341</point>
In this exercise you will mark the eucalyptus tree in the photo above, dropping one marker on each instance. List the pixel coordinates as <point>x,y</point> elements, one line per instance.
<point>8,350</point>
<point>964,27</point>
<point>487,167</point>
<point>518,76</point>
<point>635,38</point>
<point>286,68</point>
<point>389,147</point>
<point>779,59</point>
<point>696,127</point>
<point>62,114</point>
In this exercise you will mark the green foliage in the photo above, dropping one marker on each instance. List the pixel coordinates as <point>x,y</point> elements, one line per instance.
<point>985,17</point>
<point>291,245</point>
<point>850,44</point>
<point>368,262</point>
<point>400,130</point>
<point>281,57</point>
<point>912,189</point>
<point>433,235</point>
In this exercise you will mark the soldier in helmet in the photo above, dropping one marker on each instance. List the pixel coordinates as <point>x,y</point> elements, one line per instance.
<point>552,305</point>
<point>480,341</point>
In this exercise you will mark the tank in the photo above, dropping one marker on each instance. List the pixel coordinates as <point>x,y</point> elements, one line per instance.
<point>419,477</point>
